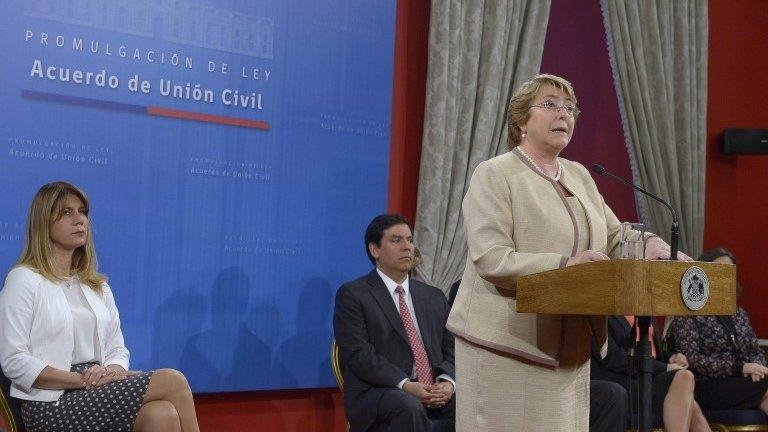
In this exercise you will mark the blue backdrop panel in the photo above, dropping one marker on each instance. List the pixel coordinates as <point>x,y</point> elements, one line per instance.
<point>233,152</point>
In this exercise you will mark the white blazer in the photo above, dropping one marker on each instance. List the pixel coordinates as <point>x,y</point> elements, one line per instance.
<point>36,330</point>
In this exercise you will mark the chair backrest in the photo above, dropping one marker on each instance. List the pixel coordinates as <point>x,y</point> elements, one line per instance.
<point>10,410</point>
<point>336,365</point>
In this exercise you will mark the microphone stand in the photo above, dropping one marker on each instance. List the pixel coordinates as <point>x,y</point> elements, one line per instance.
<point>644,365</point>
<point>675,231</point>
<point>644,360</point>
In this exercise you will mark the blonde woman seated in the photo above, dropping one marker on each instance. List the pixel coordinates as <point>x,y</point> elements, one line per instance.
<point>60,339</point>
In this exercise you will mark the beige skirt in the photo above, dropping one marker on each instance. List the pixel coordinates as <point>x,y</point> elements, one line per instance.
<point>497,392</point>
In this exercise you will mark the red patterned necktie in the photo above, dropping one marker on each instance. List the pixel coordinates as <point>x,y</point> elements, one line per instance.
<point>423,368</point>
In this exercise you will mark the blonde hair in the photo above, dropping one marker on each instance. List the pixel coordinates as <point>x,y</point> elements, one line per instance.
<point>518,111</point>
<point>37,254</point>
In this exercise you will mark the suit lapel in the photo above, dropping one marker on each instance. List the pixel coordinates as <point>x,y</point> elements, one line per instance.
<point>380,292</point>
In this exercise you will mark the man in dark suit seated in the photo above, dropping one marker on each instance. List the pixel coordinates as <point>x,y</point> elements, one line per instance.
<point>396,355</point>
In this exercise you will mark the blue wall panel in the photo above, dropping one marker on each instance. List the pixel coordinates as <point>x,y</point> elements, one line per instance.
<point>224,243</point>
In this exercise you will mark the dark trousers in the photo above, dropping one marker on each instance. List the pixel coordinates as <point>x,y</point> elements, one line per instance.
<point>607,406</point>
<point>400,411</point>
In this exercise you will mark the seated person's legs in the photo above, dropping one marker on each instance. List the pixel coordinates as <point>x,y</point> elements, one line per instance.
<point>444,418</point>
<point>681,412</point>
<point>168,404</point>
<point>607,406</point>
<point>402,411</point>
<point>699,423</point>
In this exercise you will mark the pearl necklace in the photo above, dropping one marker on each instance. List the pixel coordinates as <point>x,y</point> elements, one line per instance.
<point>535,165</point>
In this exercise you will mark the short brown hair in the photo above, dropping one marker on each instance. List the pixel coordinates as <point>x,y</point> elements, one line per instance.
<point>520,104</point>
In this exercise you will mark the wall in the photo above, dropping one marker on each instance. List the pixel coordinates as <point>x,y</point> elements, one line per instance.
<point>410,82</point>
<point>737,198</point>
<point>322,410</point>
<point>318,410</point>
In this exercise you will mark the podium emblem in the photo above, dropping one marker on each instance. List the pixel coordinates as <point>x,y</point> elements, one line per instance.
<point>694,288</point>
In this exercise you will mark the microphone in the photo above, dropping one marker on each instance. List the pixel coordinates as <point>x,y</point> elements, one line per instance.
<point>599,169</point>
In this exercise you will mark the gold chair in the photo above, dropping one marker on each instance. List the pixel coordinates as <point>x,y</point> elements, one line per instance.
<point>737,420</point>
<point>336,365</point>
<point>718,427</point>
<point>6,414</point>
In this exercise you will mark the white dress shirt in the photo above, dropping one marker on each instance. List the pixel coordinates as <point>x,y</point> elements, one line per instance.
<point>37,329</point>
<point>391,286</point>
<point>84,324</point>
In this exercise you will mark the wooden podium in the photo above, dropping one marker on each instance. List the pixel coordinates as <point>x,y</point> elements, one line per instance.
<point>628,287</point>
<point>625,287</point>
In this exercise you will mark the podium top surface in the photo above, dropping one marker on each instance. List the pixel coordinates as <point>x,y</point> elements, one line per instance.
<point>630,287</point>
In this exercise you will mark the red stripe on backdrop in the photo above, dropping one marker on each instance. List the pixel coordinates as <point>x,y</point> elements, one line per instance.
<point>207,118</point>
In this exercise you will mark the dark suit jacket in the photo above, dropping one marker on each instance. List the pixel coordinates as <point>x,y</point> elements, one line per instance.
<point>374,348</point>
<point>615,366</point>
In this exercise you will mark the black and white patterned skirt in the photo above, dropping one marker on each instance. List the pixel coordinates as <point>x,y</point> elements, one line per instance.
<point>111,407</point>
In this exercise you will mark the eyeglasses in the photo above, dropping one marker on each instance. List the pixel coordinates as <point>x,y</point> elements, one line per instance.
<point>570,109</point>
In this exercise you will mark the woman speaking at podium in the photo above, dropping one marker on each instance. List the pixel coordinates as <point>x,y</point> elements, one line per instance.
<point>528,211</point>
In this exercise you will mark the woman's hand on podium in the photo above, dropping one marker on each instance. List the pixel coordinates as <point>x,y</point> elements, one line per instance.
<point>585,257</point>
<point>658,249</point>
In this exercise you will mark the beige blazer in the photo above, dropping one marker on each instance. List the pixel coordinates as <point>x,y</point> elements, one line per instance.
<point>518,223</point>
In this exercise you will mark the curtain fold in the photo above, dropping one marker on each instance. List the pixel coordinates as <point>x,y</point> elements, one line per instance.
<point>479,52</point>
<point>658,51</point>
